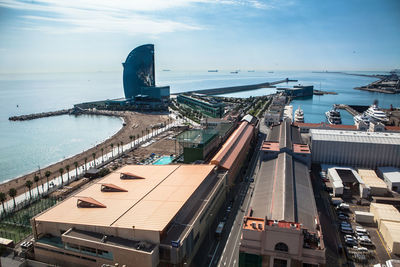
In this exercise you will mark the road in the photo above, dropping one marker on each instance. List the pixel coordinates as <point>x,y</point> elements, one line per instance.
<point>230,251</point>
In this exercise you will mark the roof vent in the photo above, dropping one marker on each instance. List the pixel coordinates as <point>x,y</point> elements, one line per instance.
<point>129,175</point>
<point>111,188</point>
<point>254,225</point>
<point>260,226</point>
<point>88,202</point>
<point>275,222</point>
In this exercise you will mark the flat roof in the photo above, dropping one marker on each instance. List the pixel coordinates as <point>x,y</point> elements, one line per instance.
<point>149,204</point>
<point>355,136</point>
<point>284,192</point>
<point>390,173</point>
<point>371,179</point>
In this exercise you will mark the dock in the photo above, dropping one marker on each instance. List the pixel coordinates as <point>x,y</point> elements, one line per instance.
<point>349,109</point>
<point>234,89</point>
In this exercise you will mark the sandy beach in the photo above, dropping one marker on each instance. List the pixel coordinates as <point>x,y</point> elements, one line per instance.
<point>135,124</point>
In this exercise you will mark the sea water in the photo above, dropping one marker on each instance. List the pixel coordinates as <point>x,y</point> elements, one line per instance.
<point>26,145</point>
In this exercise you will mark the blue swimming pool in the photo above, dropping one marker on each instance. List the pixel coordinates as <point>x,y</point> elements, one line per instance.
<point>164,160</point>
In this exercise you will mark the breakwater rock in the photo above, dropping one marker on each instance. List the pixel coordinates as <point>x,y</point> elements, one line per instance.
<point>40,115</point>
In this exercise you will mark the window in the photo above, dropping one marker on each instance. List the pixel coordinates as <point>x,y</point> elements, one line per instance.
<point>281,247</point>
<point>104,254</point>
<point>72,247</point>
<point>88,250</point>
<point>280,262</point>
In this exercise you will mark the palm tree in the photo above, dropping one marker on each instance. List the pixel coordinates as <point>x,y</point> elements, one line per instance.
<point>102,150</point>
<point>3,198</point>
<point>12,193</point>
<point>85,163</point>
<point>131,137</point>
<point>61,170</point>
<point>118,148</point>
<point>112,150</point>
<point>29,184</point>
<point>122,147</point>
<point>47,174</point>
<point>67,168</point>
<point>137,137</point>
<point>94,159</point>
<point>76,169</point>
<point>36,179</point>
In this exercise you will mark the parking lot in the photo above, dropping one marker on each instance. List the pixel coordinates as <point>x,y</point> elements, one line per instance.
<point>362,244</point>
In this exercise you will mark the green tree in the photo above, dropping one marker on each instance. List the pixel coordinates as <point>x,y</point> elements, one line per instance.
<point>12,193</point>
<point>94,159</point>
<point>36,179</point>
<point>76,169</point>
<point>3,198</point>
<point>67,168</point>
<point>47,174</point>
<point>29,184</point>
<point>61,171</point>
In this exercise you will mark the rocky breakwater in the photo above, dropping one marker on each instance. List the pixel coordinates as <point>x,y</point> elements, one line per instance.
<point>40,115</point>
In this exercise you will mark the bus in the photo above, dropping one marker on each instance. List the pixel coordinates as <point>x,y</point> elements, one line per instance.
<point>219,230</point>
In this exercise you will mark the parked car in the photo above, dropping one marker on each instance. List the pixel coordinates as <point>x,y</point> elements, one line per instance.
<point>351,242</point>
<point>343,216</point>
<point>346,230</point>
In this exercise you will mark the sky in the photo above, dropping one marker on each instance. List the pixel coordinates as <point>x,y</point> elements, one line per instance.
<point>97,35</point>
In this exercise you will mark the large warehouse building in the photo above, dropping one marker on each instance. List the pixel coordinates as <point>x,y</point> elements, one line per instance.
<point>282,224</point>
<point>149,215</point>
<point>354,148</point>
<point>234,151</point>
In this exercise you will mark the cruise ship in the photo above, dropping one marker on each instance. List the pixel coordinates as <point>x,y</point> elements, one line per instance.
<point>333,116</point>
<point>299,115</point>
<point>376,114</point>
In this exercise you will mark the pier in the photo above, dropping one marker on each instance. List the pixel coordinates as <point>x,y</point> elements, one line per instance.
<point>234,89</point>
<point>349,109</point>
<point>40,115</point>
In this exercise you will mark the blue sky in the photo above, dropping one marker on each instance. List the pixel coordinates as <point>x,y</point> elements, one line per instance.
<point>97,35</point>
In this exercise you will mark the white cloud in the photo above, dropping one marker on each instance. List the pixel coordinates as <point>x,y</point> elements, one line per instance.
<point>126,16</point>
<point>129,17</point>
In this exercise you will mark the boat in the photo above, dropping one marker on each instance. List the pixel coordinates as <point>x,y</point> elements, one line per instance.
<point>270,72</point>
<point>212,70</point>
<point>333,116</point>
<point>234,72</point>
<point>299,115</point>
<point>364,118</point>
<point>376,114</point>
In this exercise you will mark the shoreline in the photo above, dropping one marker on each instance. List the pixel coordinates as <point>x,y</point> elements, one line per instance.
<point>135,123</point>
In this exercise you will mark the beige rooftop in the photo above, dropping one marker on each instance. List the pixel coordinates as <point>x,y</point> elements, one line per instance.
<point>384,212</point>
<point>149,203</point>
<point>371,179</point>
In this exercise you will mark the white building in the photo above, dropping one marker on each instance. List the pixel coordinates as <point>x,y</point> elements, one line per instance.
<point>391,176</point>
<point>355,148</point>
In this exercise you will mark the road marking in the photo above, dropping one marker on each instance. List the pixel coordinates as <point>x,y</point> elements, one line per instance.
<point>383,244</point>
<point>215,251</point>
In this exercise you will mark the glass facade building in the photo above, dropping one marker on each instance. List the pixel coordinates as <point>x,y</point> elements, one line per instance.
<point>139,81</point>
<point>138,70</point>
